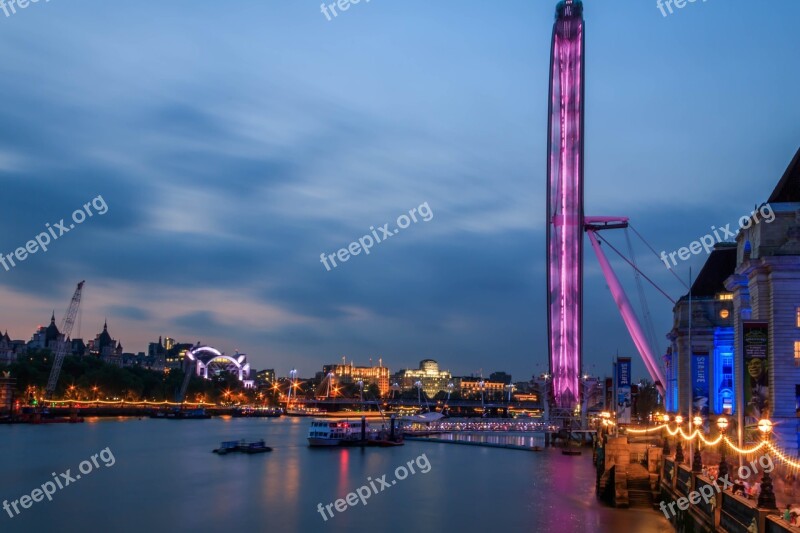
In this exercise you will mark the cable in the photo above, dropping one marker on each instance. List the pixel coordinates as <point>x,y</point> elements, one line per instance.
<point>657,256</point>
<point>668,297</point>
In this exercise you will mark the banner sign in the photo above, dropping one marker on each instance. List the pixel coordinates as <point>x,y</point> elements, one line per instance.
<point>700,385</point>
<point>756,378</point>
<point>624,391</point>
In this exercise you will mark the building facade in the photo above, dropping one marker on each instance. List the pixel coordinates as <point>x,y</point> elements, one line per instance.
<point>106,348</point>
<point>700,380</point>
<point>766,304</point>
<point>428,374</point>
<point>379,375</point>
<point>745,330</point>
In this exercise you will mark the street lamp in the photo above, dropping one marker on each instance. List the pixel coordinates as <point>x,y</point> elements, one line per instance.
<point>722,424</point>
<point>665,420</point>
<point>678,446</point>
<point>766,498</point>
<point>697,459</point>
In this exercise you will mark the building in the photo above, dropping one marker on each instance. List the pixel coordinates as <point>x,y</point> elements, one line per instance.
<point>8,353</point>
<point>471,387</point>
<point>765,288</point>
<point>7,387</point>
<point>702,381</point>
<point>379,375</point>
<point>46,338</point>
<point>78,347</point>
<point>175,355</point>
<point>433,380</point>
<point>744,358</point>
<point>265,378</point>
<point>106,348</point>
<point>500,376</point>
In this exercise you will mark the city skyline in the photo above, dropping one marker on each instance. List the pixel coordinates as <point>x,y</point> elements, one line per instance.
<point>225,182</point>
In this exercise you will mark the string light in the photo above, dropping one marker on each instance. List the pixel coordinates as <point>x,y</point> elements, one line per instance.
<point>780,455</point>
<point>117,402</point>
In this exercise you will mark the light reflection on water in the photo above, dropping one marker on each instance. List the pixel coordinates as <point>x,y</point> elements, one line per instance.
<point>166,479</point>
<point>515,439</point>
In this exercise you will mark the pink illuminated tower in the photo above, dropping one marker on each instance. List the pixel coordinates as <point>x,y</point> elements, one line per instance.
<point>565,203</point>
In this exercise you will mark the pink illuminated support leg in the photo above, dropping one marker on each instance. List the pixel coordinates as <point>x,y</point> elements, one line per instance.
<point>628,315</point>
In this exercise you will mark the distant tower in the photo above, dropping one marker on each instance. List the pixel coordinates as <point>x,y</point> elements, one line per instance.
<point>565,202</point>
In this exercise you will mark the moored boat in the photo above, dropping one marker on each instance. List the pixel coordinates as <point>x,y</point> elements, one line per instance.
<point>331,433</point>
<point>232,446</point>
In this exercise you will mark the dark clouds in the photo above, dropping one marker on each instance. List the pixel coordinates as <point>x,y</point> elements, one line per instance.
<point>234,148</point>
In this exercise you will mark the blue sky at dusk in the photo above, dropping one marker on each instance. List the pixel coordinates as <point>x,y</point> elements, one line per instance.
<point>236,141</point>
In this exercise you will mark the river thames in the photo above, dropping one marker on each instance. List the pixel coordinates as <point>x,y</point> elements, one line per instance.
<point>162,477</point>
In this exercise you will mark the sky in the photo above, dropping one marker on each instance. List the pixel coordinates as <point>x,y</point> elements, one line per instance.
<point>235,142</point>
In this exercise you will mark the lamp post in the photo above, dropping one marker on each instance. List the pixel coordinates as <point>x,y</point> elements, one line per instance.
<point>678,446</point>
<point>766,498</point>
<point>292,381</point>
<point>697,459</point>
<point>665,420</point>
<point>482,384</point>
<point>510,390</point>
<point>722,424</point>
<point>361,390</point>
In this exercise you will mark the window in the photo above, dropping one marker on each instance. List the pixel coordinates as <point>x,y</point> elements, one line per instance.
<point>725,296</point>
<point>797,353</point>
<point>798,317</point>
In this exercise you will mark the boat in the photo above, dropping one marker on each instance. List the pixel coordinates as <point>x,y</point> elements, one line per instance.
<point>232,446</point>
<point>254,447</point>
<point>188,414</point>
<point>332,433</point>
<point>257,412</point>
<point>304,411</point>
<point>567,451</point>
<point>227,447</point>
<point>327,433</point>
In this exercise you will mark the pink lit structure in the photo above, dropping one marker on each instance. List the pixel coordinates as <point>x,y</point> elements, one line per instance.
<point>566,219</point>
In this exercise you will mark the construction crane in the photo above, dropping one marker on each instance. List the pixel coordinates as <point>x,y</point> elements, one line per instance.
<point>62,345</point>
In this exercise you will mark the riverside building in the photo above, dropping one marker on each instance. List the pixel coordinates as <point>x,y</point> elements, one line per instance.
<point>744,358</point>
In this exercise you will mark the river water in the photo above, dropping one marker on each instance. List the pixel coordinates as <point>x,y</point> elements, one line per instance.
<point>163,478</point>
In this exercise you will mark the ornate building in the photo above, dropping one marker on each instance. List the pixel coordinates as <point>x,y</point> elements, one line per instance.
<point>744,358</point>
<point>7,351</point>
<point>106,348</point>
<point>46,337</point>
<point>766,311</point>
<point>379,375</point>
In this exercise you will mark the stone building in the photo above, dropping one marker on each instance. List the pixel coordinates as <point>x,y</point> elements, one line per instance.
<point>766,308</point>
